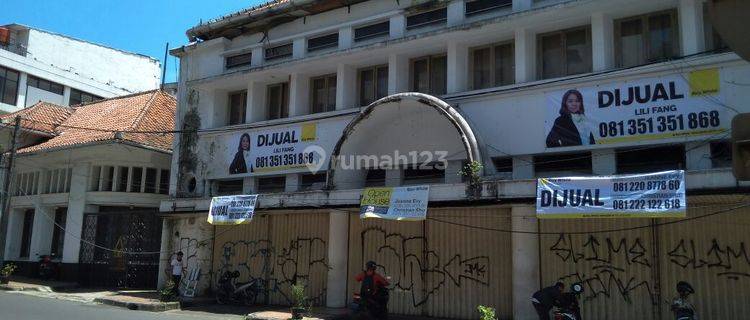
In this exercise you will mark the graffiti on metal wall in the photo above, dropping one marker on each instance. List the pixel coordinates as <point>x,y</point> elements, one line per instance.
<point>605,266</point>
<point>189,248</point>
<point>421,272</point>
<point>277,266</point>
<point>727,261</point>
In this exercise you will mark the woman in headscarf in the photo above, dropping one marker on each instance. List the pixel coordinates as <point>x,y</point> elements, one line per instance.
<point>571,128</point>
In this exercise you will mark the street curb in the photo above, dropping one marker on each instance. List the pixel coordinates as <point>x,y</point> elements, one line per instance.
<point>35,288</point>
<point>154,307</point>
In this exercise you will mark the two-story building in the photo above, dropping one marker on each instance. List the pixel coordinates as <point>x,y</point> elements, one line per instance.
<point>304,103</point>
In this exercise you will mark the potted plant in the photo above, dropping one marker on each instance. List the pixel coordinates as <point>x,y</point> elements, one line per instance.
<point>300,306</point>
<point>166,293</point>
<point>6,271</point>
<point>471,173</point>
<point>486,313</point>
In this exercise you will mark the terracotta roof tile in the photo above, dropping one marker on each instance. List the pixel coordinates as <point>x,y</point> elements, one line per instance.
<point>43,117</point>
<point>146,111</point>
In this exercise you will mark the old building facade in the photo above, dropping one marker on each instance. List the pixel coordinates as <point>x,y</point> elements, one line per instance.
<point>459,82</point>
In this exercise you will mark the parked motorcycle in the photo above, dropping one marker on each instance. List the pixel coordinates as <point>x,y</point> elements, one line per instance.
<point>47,268</point>
<point>231,291</point>
<point>569,308</point>
<point>374,309</point>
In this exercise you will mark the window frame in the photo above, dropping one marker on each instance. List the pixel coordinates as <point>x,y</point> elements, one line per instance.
<point>493,66</point>
<point>430,86</point>
<point>646,37</point>
<point>385,33</point>
<point>27,231</point>
<point>278,56</point>
<point>467,13</point>
<point>239,56</point>
<point>375,73</point>
<point>325,45</point>
<point>564,34</point>
<point>283,110</point>
<point>263,187</point>
<point>39,83</point>
<point>79,93</point>
<point>243,112</point>
<point>443,20</point>
<point>4,80</point>
<point>328,79</point>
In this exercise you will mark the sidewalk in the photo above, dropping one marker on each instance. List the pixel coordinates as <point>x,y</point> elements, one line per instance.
<point>30,284</point>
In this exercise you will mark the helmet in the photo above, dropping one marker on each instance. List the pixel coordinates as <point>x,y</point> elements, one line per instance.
<point>371,265</point>
<point>683,286</point>
<point>576,288</point>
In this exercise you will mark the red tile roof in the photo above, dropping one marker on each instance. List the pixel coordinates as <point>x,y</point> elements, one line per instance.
<point>42,117</point>
<point>116,119</point>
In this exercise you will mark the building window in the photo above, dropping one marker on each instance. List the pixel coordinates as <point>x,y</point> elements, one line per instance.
<point>28,224</point>
<point>558,165</point>
<point>122,179</point>
<point>492,66</point>
<point>242,59</point>
<point>229,187</point>
<point>721,154</point>
<point>323,42</point>
<point>278,101</point>
<point>136,180</point>
<point>150,186</point>
<point>482,6</point>
<point>79,97</point>
<point>375,178</point>
<point>373,84</point>
<point>94,178</point>
<point>503,167</point>
<point>654,159</point>
<point>58,233</point>
<point>313,181</point>
<point>429,75</point>
<point>8,86</point>
<point>565,53</point>
<point>108,178</point>
<point>279,52</point>
<point>45,85</point>
<point>414,174</point>
<point>646,38</point>
<point>271,184</point>
<point>237,107</point>
<point>423,19</point>
<point>323,93</point>
<point>381,29</point>
<point>164,181</point>
<point>714,42</point>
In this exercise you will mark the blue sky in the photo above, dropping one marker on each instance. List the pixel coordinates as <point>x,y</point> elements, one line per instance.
<point>139,26</point>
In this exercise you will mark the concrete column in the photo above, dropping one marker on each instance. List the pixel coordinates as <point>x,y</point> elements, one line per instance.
<point>66,96</point>
<point>14,230</point>
<point>22,86</point>
<point>256,58</point>
<point>346,37</point>
<point>690,15</point>
<point>165,251</point>
<point>526,277</point>
<point>346,87</point>
<point>338,241</point>
<point>256,102</point>
<point>451,171</point>
<point>41,232</point>
<point>293,181</point>
<point>398,74</point>
<point>394,177</point>
<point>249,186</point>
<point>299,48</point>
<point>698,155</point>
<point>603,162</point>
<point>76,208</point>
<point>602,41</point>
<point>299,95</point>
<point>458,67</point>
<point>456,12</point>
<point>522,5</point>
<point>525,55</point>
<point>397,26</point>
<point>523,167</point>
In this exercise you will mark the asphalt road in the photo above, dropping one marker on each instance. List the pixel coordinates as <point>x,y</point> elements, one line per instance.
<point>17,306</point>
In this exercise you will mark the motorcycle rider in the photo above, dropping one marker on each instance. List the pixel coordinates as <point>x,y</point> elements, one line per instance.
<point>373,292</point>
<point>543,300</point>
<point>681,307</point>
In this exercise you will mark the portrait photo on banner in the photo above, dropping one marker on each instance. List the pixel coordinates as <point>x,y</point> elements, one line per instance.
<point>242,161</point>
<point>571,127</point>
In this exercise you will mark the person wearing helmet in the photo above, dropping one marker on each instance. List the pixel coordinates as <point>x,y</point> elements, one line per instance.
<point>681,307</point>
<point>374,291</point>
<point>543,300</point>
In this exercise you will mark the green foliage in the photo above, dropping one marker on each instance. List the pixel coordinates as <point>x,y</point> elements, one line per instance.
<point>8,269</point>
<point>487,313</point>
<point>471,171</point>
<point>298,295</point>
<point>167,292</point>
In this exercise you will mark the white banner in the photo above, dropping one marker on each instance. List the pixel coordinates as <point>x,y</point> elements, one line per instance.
<point>677,105</point>
<point>401,203</point>
<point>230,210</point>
<point>651,195</point>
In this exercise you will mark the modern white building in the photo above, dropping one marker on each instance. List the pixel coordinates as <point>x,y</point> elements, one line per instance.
<point>38,65</point>
<point>277,86</point>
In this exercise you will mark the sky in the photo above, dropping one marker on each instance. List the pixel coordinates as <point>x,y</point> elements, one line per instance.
<point>139,26</point>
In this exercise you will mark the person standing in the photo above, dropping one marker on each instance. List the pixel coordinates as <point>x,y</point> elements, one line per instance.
<point>543,300</point>
<point>177,268</point>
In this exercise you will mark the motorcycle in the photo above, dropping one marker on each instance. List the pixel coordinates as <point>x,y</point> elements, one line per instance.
<point>569,308</point>
<point>375,308</point>
<point>47,268</point>
<point>230,291</point>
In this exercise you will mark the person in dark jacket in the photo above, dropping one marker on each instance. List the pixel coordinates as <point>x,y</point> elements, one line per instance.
<point>571,128</point>
<point>543,300</point>
<point>242,157</point>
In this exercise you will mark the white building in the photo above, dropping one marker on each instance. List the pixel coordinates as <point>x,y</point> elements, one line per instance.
<point>494,72</point>
<point>38,65</point>
<point>83,180</point>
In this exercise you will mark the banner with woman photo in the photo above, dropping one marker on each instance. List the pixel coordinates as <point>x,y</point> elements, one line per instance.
<point>670,106</point>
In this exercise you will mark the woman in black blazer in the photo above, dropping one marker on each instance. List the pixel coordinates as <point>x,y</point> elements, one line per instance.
<point>571,128</point>
<point>239,164</point>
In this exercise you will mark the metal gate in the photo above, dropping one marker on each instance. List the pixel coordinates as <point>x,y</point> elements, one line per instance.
<point>126,234</point>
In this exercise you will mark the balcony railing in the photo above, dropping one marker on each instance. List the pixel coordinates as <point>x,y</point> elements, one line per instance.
<point>16,48</point>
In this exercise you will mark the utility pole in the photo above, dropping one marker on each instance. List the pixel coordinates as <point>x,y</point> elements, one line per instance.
<point>164,65</point>
<point>6,190</point>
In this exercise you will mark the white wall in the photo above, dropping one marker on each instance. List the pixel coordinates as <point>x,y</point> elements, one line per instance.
<point>34,95</point>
